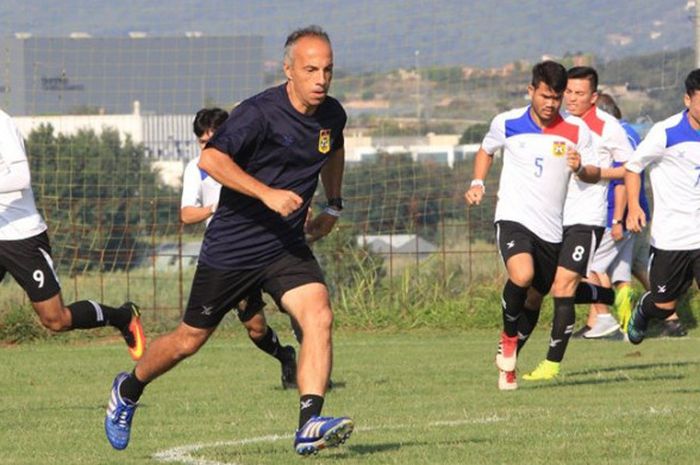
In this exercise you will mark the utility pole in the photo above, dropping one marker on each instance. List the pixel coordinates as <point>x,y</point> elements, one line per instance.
<point>416,55</point>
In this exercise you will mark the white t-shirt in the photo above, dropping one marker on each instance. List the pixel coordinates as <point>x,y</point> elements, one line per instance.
<point>587,203</point>
<point>535,175</point>
<point>198,188</point>
<point>19,218</point>
<point>671,151</point>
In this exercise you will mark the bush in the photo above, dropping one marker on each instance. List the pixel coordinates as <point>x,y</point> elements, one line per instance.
<point>18,324</point>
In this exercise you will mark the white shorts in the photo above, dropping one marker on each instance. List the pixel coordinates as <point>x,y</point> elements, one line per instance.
<point>615,257</point>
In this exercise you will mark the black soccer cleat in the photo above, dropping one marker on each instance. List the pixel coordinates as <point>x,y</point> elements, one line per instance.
<point>288,359</point>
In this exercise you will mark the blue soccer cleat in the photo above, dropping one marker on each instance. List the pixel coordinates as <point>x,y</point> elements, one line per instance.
<point>120,412</point>
<point>637,326</point>
<point>321,432</point>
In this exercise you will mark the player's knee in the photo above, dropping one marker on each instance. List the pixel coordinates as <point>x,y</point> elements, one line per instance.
<point>564,287</point>
<point>318,320</point>
<point>256,332</point>
<point>521,278</point>
<point>55,323</point>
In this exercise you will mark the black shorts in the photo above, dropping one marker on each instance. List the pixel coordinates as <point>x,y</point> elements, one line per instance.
<point>671,273</point>
<point>29,262</point>
<point>514,238</point>
<point>215,292</point>
<point>579,246</point>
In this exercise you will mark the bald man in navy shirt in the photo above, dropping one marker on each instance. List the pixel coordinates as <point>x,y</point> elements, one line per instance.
<point>268,157</point>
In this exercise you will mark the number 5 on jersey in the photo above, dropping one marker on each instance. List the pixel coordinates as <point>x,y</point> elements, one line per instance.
<point>539,167</point>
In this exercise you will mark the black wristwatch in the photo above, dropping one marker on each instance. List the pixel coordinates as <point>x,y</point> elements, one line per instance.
<point>335,202</point>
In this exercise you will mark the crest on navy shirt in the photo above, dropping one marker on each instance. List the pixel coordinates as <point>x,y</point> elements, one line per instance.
<point>324,141</point>
<point>559,149</point>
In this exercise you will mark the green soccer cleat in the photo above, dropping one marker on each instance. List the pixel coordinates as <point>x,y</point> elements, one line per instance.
<point>545,371</point>
<point>623,306</point>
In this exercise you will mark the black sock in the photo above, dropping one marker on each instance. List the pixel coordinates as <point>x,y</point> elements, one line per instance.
<point>526,324</point>
<point>651,311</point>
<point>269,343</point>
<point>512,306</point>
<point>587,293</point>
<point>131,388</point>
<point>310,405</point>
<point>87,314</point>
<point>562,327</point>
<point>298,333</point>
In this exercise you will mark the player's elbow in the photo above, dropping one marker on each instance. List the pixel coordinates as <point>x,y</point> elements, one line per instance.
<point>185,216</point>
<point>205,162</point>
<point>590,174</point>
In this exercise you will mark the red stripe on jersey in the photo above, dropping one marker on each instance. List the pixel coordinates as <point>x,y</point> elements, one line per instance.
<point>594,123</point>
<point>561,128</point>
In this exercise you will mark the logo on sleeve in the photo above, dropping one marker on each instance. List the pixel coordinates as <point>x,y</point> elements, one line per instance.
<point>324,141</point>
<point>558,149</point>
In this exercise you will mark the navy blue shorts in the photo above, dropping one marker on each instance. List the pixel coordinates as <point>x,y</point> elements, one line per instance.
<point>216,292</point>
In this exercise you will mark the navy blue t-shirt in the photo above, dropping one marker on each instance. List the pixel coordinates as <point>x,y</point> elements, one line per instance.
<point>283,149</point>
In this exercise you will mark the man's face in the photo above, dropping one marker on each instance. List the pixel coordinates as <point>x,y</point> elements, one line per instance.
<point>204,138</point>
<point>579,96</point>
<point>309,72</point>
<point>545,102</point>
<point>692,102</point>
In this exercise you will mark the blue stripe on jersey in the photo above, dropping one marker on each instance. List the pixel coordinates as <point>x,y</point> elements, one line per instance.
<point>634,139</point>
<point>682,132</point>
<point>522,125</point>
<point>203,174</point>
<point>632,134</point>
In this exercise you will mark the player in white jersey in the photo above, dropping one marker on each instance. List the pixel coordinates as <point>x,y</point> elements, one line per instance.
<point>585,214</point>
<point>541,148</point>
<point>200,192</point>
<point>25,252</point>
<point>200,197</point>
<point>671,153</point>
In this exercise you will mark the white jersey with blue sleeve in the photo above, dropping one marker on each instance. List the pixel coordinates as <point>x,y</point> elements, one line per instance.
<point>19,218</point>
<point>586,203</point>
<point>671,153</point>
<point>198,188</point>
<point>535,173</point>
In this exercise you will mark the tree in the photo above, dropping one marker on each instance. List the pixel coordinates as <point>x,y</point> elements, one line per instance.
<point>396,195</point>
<point>474,134</point>
<point>97,193</point>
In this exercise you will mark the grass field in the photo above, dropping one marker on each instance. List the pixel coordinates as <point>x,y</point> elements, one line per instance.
<point>423,397</point>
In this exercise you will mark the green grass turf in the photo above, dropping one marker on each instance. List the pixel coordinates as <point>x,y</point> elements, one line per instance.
<point>422,397</point>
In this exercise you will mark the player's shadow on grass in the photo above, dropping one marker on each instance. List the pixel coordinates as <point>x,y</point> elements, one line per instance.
<point>638,366</point>
<point>582,377</point>
<point>335,385</point>
<point>565,382</point>
<point>351,451</point>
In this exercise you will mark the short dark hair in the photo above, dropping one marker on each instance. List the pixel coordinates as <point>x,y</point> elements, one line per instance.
<point>692,82</point>
<point>585,72</point>
<point>208,119</point>
<point>551,73</point>
<point>308,31</point>
<point>606,103</point>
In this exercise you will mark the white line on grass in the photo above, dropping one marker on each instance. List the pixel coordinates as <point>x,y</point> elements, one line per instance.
<point>183,454</point>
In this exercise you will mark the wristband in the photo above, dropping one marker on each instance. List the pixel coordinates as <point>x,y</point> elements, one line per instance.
<point>332,211</point>
<point>614,222</point>
<point>478,182</point>
<point>580,168</point>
